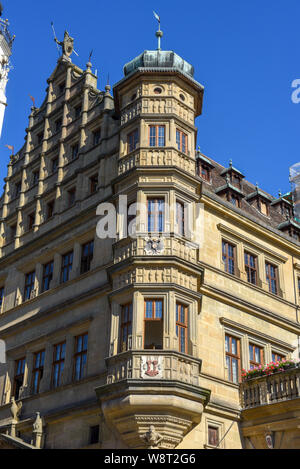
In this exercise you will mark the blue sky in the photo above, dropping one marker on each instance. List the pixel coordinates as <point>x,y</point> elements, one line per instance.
<point>245,53</point>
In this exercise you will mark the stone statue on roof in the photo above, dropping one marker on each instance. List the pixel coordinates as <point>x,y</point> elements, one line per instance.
<point>67,45</point>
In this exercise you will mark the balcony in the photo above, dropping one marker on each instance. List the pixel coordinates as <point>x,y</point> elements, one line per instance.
<point>172,245</point>
<point>154,391</point>
<point>151,157</point>
<point>270,408</point>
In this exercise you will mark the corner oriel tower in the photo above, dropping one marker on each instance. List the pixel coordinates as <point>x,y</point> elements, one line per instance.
<point>6,41</point>
<point>153,389</point>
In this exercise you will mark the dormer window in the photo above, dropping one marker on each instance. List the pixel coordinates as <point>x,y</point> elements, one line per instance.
<point>260,200</point>
<point>235,180</point>
<point>234,200</point>
<point>203,167</point>
<point>263,208</point>
<point>204,171</point>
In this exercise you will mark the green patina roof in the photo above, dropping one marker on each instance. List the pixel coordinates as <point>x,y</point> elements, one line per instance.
<point>159,58</point>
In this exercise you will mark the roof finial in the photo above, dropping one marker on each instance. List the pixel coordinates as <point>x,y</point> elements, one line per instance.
<point>279,193</point>
<point>230,163</point>
<point>159,33</point>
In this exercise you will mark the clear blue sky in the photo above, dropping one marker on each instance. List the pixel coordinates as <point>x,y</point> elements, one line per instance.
<point>245,53</point>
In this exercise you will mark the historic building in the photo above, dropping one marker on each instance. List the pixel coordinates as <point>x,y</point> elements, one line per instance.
<point>138,340</point>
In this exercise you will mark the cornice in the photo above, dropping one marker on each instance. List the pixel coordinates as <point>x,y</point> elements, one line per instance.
<point>238,217</point>
<point>250,308</point>
<point>225,229</point>
<point>255,332</point>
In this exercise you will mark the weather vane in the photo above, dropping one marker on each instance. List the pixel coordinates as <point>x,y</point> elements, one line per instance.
<point>159,33</point>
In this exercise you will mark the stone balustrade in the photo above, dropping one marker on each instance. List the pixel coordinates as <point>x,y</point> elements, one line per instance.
<point>270,389</point>
<point>153,364</point>
<point>172,246</point>
<point>156,157</point>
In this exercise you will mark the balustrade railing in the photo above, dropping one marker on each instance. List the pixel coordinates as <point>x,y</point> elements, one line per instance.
<point>270,389</point>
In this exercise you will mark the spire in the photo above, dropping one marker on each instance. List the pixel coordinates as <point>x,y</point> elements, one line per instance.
<point>159,33</point>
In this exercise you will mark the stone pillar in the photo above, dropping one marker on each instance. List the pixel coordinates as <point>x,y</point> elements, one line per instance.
<point>76,261</point>
<point>68,366</point>
<point>56,271</point>
<point>38,285</point>
<point>138,321</point>
<point>38,432</point>
<point>45,382</point>
<point>114,328</point>
<point>27,375</point>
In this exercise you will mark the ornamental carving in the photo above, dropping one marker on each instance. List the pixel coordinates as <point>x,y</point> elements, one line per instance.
<point>154,246</point>
<point>151,367</point>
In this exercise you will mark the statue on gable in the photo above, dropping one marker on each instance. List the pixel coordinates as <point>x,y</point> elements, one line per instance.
<point>67,45</point>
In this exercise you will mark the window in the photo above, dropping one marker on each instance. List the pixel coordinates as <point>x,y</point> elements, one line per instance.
<point>263,208</point>
<point>67,261</point>
<point>38,370</point>
<point>13,231</point>
<point>96,136</point>
<point>77,111</point>
<point>1,296</point>
<point>157,90</point>
<point>181,141</point>
<point>153,334</point>
<point>132,140</point>
<point>50,209</point>
<point>58,364</point>
<point>74,151</point>
<point>35,177</point>
<point>29,285</point>
<point>87,256</point>
<point>232,348</point>
<point>234,200</point>
<point>204,171</point>
<point>54,164</point>
<point>47,276</point>
<point>81,344</point>
<point>156,215</point>
<point>94,184</point>
<point>251,268</point>
<point>31,220</point>
<point>94,435</point>
<point>180,218</point>
<point>182,327</point>
<point>277,357</point>
<point>213,436</point>
<point>71,197</point>
<point>235,180</point>
<point>271,277</point>
<point>19,376</point>
<point>58,124</point>
<point>18,187</point>
<point>40,137</point>
<point>61,88</point>
<point>126,327</point>
<point>256,355</point>
<point>157,136</point>
<point>228,257</point>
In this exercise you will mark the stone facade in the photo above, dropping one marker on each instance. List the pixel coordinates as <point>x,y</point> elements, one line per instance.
<point>154,310</point>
